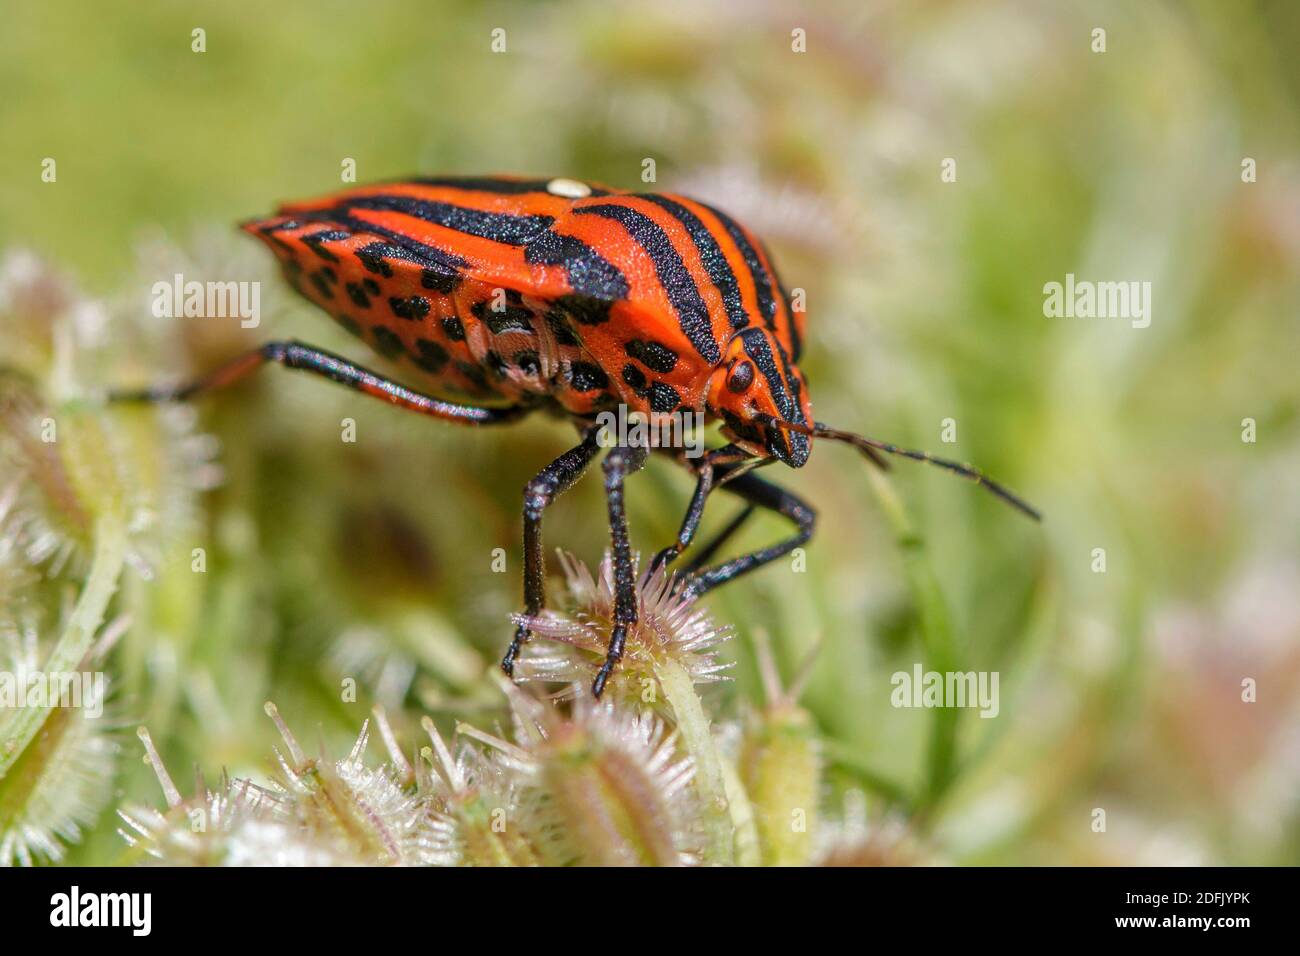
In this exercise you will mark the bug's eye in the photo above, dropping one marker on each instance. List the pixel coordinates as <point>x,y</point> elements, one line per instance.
<point>740,377</point>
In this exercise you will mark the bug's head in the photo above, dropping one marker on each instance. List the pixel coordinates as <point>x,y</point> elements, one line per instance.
<point>756,386</point>
<point>759,394</point>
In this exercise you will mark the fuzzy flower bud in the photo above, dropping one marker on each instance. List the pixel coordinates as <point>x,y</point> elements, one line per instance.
<point>670,628</point>
<point>59,782</point>
<point>357,811</point>
<point>780,766</point>
<point>616,780</point>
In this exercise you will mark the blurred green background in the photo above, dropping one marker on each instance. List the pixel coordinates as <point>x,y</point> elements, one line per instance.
<point>1120,690</point>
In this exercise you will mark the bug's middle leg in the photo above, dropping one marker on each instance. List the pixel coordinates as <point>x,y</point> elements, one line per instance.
<point>551,481</point>
<point>763,494</point>
<point>619,463</point>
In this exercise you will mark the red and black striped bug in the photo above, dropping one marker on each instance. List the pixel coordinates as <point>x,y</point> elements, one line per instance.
<point>510,295</point>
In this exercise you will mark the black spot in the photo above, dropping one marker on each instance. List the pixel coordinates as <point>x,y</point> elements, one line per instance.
<point>663,398</point>
<point>430,356</point>
<point>348,323</point>
<point>322,285</point>
<point>496,363</point>
<point>560,328</point>
<point>527,362</point>
<point>412,309</point>
<point>585,309</point>
<point>634,377</point>
<point>293,271</point>
<point>374,256</point>
<point>358,295</point>
<point>453,328</point>
<point>444,282</point>
<point>387,341</point>
<point>587,377</point>
<point>474,373</point>
<point>371,286</point>
<point>514,297</point>
<point>328,274</point>
<point>512,318</point>
<point>652,355</point>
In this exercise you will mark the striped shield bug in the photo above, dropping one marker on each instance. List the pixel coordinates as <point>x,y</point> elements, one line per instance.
<point>506,295</point>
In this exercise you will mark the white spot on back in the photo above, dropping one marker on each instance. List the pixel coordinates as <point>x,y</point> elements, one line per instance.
<point>568,188</point>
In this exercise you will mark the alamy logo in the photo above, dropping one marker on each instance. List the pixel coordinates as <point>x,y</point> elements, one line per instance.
<point>948,689</point>
<point>1098,300</point>
<point>633,429</point>
<point>83,690</point>
<point>103,909</point>
<point>208,300</point>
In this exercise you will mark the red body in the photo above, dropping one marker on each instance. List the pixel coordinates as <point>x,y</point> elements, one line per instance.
<point>506,292</point>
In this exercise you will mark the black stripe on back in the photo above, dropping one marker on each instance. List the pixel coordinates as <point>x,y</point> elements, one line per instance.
<point>403,247</point>
<point>496,226</point>
<point>399,247</point>
<point>711,255</point>
<point>762,280</point>
<point>692,314</point>
<point>589,273</point>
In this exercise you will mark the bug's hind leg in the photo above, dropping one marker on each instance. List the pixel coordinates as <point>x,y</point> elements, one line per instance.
<point>296,355</point>
<point>619,463</point>
<point>763,494</point>
<point>551,481</point>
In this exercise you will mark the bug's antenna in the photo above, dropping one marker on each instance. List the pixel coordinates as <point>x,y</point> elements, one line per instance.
<point>872,446</point>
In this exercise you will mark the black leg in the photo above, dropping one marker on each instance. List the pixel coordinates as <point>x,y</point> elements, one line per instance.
<point>712,466</point>
<point>762,494</point>
<point>706,552</point>
<point>619,463</point>
<point>330,366</point>
<point>551,481</point>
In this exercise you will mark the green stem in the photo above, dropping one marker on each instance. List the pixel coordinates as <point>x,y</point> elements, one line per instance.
<point>936,634</point>
<point>742,818</point>
<point>77,637</point>
<point>710,784</point>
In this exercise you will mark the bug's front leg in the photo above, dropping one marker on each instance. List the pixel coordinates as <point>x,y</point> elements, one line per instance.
<point>619,463</point>
<point>763,494</point>
<point>551,481</point>
<point>709,468</point>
